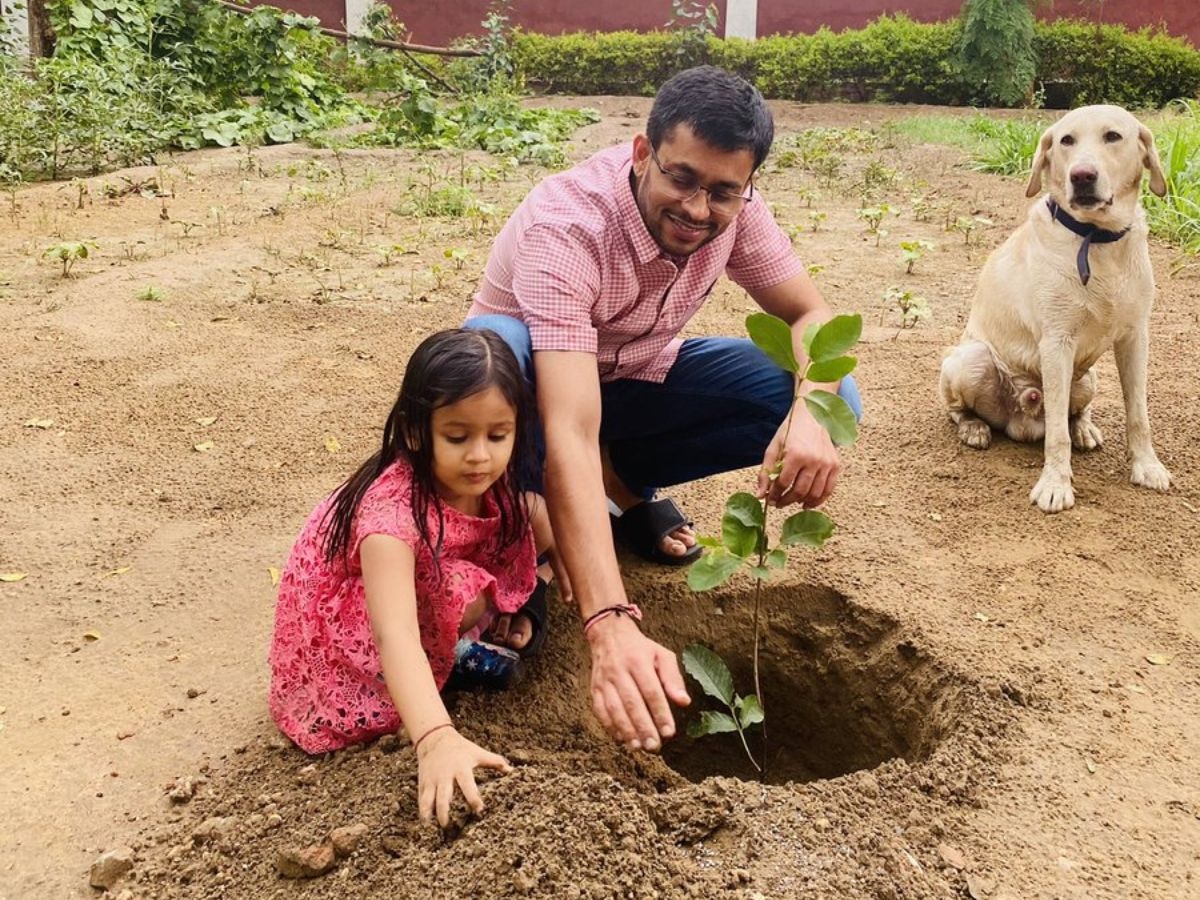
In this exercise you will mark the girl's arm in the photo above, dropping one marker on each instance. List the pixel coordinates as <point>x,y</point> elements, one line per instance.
<point>543,539</point>
<point>444,757</point>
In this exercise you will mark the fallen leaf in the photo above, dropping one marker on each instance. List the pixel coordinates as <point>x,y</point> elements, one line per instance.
<point>1135,688</point>
<point>1091,766</point>
<point>1158,659</point>
<point>274,573</point>
<point>91,635</point>
<point>120,571</point>
<point>982,618</point>
<point>978,888</point>
<point>203,446</point>
<point>332,444</point>
<point>13,576</point>
<point>936,517</point>
<point>205,421</point>
<point>171,323</point>
<point>40,423</point>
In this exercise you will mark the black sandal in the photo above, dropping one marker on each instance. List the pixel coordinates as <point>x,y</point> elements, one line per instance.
<point>643,527</point>
<point>482,664</point>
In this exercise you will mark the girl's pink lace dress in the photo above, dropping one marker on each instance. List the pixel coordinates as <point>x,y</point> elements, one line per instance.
<point>327,688</point>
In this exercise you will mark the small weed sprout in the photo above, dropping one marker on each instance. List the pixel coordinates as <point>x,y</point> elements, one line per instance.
<point>968,224</point>
<point>814,269</point>
<point>68,253</point>
<point>874,216</point>
<point>150,294</point>
<point>911,253</point>
<point>743,544</point>
<point>389,251</point>
<point>457,255</point>
<point>793,232</point>
<point>912,308</point>
<point>439,276</point>
<point>808,195</point>
<point>922,206</point>
<point>187,227</point>
<point>815,218</point>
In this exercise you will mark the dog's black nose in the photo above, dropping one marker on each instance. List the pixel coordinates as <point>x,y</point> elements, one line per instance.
<point>1083,176</point>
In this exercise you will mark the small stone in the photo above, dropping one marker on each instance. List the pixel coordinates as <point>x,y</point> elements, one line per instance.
<point>192,693</point>
<point>389,743</point>
<point>868,784</point>
<point>394,844</point>
<point>952,856</point>
<point>308,775</point>
<point>212,829</point>
<point>519,756</point>
<point>274,820</point>
<point>822,824</point>
<point>345,840</point>
<point>308,862</point>
<point>183,789</point>
<point>124,735</point>
<point>109,867</point>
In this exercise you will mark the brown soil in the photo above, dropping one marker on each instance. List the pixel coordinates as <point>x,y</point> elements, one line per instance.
<point>965,696</point>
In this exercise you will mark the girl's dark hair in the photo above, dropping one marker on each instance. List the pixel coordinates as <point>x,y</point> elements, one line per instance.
<point>445,368</point>
<point>721,108</point>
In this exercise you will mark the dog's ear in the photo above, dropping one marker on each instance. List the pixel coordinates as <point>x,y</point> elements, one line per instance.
<point>1158,181</point>
<point>1040,162</point>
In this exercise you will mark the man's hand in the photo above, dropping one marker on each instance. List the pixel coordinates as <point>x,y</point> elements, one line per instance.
<point>633,678</point>
<point>810,463</point>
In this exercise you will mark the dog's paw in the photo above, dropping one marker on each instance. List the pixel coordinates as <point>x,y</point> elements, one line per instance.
<point>1053,492</point>
<point>1085,435</point>
<point>1151,474</point>
<point>975,433</point>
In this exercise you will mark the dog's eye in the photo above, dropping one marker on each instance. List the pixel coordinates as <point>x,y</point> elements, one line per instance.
<point>1067,140</point>
<point>1111,137</point>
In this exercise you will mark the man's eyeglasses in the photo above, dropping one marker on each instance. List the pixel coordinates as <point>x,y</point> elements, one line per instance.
<point>684,187</point>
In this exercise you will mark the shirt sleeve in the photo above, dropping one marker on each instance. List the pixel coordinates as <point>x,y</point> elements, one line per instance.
<point>762,255</point>
<point>556,280</point>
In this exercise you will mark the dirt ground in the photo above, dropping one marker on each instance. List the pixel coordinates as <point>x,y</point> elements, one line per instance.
<point>965,697</point>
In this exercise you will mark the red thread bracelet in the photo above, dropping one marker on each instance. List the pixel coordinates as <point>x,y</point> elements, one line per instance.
<point>627,609</point>
<point>417,742</point>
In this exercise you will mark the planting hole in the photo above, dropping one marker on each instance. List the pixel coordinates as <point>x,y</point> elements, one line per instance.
<point>844,689</point>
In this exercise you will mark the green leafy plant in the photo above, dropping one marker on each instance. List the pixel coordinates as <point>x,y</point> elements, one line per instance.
<point>815,219</point>
<point>68,253</point>
<point>966,225</point>
<point>912,308</point>
<point>714,677</point>
<point>456,255</point>
<point>911,253</point>
<point>744,543</point>
<point>996,51</point>
<point>151,294</point>
<point>874,216</point>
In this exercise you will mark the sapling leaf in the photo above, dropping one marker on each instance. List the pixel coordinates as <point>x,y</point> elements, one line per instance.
<point>834,338</point>
<point>712,569</point>
<point>777,558</point>
<point>746,508</point>
<point>835,415</point>
<point>831,370</point>
<point>810,528</point>
<point>762,573</point>
<point>711,542</point>
<point>749,711</point>
<point>809,334</point>
<point>711,723</point>
<point>773,337</point>
<point>710,672</point>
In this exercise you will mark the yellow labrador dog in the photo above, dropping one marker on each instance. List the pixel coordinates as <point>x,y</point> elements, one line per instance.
<point>1068,284</point>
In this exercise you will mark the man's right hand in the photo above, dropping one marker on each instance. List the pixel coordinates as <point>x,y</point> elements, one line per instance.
<point>633,678</point>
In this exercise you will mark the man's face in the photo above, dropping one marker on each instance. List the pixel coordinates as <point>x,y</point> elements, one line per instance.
<point>683,226</point>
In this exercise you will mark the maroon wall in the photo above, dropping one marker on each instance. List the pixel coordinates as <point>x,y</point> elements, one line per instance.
<point>439,23</point>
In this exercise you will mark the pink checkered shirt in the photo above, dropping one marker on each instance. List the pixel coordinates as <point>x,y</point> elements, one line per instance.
<point>576,264</point>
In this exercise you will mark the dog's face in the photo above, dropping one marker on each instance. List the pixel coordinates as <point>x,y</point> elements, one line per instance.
<point>1092,161</point>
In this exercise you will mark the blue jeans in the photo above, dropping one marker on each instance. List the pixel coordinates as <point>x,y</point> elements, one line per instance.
<point>721,404</point>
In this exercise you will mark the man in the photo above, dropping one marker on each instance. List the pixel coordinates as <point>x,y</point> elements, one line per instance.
<point>590,281</point>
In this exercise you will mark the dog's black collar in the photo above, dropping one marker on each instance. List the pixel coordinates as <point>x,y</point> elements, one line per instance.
<point>1091,234</point>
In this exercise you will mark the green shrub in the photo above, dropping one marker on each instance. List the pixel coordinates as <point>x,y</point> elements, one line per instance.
<point>996,52</point>
<point>1081,63</point>
<point>894,59</point>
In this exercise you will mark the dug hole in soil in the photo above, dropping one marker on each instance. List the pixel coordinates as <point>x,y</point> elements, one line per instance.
<point>964,697</point>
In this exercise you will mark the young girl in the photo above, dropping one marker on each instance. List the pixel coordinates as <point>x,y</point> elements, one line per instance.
<point>428,541</point>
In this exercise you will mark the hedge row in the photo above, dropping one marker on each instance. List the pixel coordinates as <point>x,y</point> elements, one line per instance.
<point>893,59</point>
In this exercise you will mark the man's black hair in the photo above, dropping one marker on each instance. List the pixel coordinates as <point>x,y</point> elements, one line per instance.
<point>721,108</point>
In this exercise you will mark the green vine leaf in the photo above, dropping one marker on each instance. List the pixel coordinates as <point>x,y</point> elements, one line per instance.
<point>831,370</point>
<point>810,528</point>
<point>710,671</point>
<point>711,723</point>
<point>834,338</point>
<point>773,337</point>
<point>742,526</point>
<point>835,416</point>
<point>712,569</point>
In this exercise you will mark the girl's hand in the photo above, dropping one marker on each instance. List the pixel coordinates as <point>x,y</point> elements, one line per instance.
<point>446,759</point>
